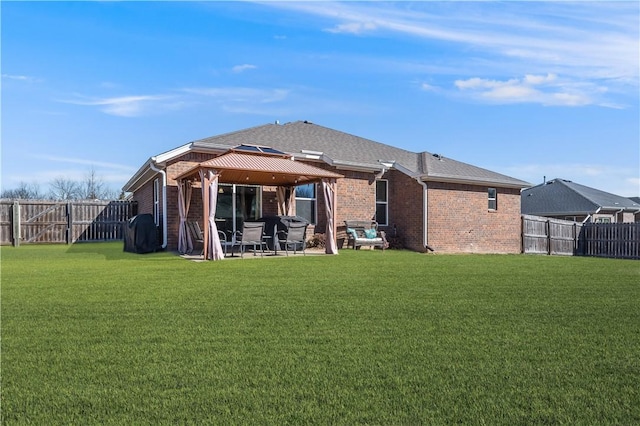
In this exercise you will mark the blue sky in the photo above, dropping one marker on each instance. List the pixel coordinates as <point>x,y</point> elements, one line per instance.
<point>528,89</point>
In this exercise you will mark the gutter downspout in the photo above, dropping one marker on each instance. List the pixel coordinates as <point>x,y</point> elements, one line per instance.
<point>164,201</point>
<point>591,215</point>
<point>425,222</point>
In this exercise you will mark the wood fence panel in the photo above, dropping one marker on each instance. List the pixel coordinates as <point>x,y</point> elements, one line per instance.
<point>615,240</point>
<point>63,222</point>
<point>43,222</point>
<point>5,223</point>
<point>99,221</point>
<point>543,235</point>
<point>562,237</point>
<point>535,235</point>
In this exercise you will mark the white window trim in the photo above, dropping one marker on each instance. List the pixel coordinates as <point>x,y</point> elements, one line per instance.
<point>156,201</point>
<point>385,203</point>
<point>315,202</point>
<point>494,199</point>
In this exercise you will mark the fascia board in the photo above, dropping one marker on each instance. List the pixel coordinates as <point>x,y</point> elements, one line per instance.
<point>170,155</point>
<point>140,178</point>
<point>472,181</point>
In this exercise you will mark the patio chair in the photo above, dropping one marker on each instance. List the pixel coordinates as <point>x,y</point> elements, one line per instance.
<point>251,235</point>
<point>295,235</point>
<point>198,237</point>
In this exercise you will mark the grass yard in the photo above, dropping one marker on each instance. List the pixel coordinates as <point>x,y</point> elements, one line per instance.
<point>92,335</point>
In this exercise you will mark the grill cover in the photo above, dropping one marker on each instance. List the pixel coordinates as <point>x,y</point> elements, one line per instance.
<point>141,234</point>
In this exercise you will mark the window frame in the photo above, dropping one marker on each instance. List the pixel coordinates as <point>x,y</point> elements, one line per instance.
<point>156,201</point>
<point>492,200</point>
<point>313,201</point>
<point>384,202</point>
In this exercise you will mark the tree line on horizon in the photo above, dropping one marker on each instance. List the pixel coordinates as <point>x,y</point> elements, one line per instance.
<point>92,187</point>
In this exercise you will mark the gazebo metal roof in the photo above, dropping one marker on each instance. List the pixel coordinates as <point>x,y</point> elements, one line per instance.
<point>260,169</point>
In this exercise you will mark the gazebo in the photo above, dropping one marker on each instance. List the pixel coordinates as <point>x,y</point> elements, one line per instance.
<point>251,165</point>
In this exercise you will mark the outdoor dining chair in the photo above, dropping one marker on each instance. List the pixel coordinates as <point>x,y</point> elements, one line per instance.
<point>251,235</point>
<point>197,236</point>
<point>294,236</point>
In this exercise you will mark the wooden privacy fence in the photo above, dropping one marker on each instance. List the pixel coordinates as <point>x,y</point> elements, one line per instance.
<point>543,235</point>
<point>619,240</point>
<point>31,221</point>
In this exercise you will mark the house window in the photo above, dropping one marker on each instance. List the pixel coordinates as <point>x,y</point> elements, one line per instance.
<point>382,202</point>
<point>306,202</point>
<point>493,199</point>
<point>603,220</point>
<point>156,201</point>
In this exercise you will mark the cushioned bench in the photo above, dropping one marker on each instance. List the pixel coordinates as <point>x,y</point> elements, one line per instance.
<point>365,233</point>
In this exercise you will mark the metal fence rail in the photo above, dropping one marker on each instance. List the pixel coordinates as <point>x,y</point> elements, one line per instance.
<point>34,221</point>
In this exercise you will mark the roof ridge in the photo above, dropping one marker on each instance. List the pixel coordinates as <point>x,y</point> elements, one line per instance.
<point>210,138</point>
<point>570,188</point>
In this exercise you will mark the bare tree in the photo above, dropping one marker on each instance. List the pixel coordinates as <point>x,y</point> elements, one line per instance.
<point>24,191</point>
<point>65,189</point>
<point>93,187</point>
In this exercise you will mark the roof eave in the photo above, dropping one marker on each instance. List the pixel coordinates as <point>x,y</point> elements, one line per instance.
<point>468,180</point>
<point>142,176</point>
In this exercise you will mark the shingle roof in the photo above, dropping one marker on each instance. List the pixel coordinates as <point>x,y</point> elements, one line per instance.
<point>349,150</point>
<point>563,197</point>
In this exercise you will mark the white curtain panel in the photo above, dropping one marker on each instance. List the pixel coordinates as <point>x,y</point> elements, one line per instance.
<point>185,243</point>
<point>329,191</point>
<point>212,246</point>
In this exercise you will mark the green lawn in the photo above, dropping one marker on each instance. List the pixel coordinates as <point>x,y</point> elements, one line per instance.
<point>92,335</point>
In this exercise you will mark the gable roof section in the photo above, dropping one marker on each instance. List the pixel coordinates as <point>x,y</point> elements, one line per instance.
<point>307,141</point>
<point>563,197</point>
<point>303,139</point>
<point>443,169</point>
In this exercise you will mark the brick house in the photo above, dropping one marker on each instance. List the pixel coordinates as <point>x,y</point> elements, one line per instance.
<point>420,199</point>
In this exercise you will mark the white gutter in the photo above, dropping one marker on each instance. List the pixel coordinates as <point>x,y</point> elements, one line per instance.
<point>589,216</point>
<point>164,201</point>
<point>425,222</point>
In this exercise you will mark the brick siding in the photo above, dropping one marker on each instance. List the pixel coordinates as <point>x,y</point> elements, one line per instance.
<point>459,220</point>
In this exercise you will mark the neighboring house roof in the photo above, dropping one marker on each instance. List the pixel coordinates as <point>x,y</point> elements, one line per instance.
<point>308,141</point>
<point>559,197</point>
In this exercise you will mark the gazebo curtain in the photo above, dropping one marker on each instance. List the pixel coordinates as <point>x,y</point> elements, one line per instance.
<point>285,204</point>
<point>185,244</point>
<point>329,191</point>
<point>212,246</point>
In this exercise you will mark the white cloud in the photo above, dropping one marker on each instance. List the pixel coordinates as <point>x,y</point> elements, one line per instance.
<point>353,28</point>
<point>242,68</point>
<point>596,43</point>
<point>25,78</point>
<point>241,94</point>
<point>128,106</point>
<point>428,87</point>
<point>84,161</point>
<point>542,89</point>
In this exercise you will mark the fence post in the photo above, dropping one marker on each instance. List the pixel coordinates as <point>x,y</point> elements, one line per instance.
<point>69,223</point>
<point>16,223</point>
<point>548,226</point>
